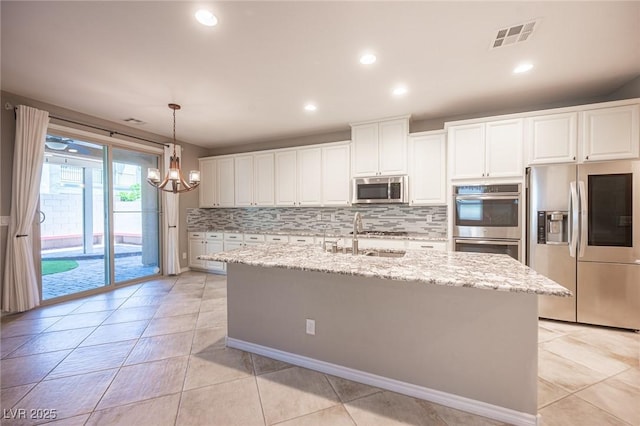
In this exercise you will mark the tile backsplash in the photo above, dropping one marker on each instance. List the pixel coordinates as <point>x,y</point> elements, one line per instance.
<point>315,219</point>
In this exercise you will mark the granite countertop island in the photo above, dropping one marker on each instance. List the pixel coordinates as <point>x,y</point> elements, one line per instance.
<point>456,269</point>
<point>425,324</point>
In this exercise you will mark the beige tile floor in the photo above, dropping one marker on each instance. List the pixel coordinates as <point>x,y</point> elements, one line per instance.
<point>154,354</point>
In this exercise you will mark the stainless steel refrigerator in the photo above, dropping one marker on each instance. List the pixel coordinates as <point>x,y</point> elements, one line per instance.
<point>583,231</point>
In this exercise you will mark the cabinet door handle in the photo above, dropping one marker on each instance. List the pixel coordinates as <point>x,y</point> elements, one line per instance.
<point>586,158</point>
<point>574,158</point>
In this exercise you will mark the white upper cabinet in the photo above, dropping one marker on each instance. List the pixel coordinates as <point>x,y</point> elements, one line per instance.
<point>263,188</point>
<point>392,146</point>
<point>552,138</point>
<point>466,151</point>
<point>336,175</point>
<point>243,180</point>
<point>380,148</point>
<point>427,172</point>
<point>208,190</point>
<point>503,155</point>
<point>216,182</point>
<point>226,191</point>
<point>365,149</point>
<point>254,180</point>
<point>611,133</point>
<point>309,177</point>
<point>286,178</point>
<point>491,149</point>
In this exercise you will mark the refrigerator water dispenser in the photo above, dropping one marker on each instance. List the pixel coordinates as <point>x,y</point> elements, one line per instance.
<point>553,227</point>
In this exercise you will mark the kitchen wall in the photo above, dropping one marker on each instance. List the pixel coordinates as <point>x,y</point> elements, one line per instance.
<point>315,219</point>
<point>189,158</point>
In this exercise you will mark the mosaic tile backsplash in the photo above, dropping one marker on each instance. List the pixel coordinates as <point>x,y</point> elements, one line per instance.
<point>315,219</point>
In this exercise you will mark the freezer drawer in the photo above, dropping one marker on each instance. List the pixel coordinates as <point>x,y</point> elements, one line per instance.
<point>555,262</point>
<point>609,294</point>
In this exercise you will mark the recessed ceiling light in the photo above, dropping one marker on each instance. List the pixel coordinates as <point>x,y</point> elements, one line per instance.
<point>206,18</point>
<point>310,107</point>
<point>367,59</point>
<point>400,90</point>
<point>523,67</point>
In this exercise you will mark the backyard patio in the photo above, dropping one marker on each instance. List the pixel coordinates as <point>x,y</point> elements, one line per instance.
<point>89,273</point>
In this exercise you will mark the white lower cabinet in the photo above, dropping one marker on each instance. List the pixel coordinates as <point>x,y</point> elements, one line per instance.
<point>427,245</point>
<point>233,240</point>
<point>205,243</point>
<point>196,248</point>
<point>304,240</point>
<point>214,244</point>
<point>398,244</point>
<point>281,239</point>
<point>254,239</point>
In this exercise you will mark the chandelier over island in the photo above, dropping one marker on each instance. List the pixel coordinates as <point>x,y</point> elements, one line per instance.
<point>174,181</point>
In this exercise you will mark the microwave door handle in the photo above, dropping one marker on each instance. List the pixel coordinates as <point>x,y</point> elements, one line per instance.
<point>574,219</point>
<point>582,199</point>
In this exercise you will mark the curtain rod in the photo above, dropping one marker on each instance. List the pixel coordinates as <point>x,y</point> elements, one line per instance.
<point>111,132</point>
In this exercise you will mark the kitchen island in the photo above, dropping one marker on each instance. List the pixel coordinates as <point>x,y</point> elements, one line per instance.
<point>458,329</point>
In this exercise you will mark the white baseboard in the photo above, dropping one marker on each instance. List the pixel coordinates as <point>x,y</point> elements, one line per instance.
<point>443,398</point>
<point>185,269</point>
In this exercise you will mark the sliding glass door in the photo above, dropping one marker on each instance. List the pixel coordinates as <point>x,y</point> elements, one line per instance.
<point>73,234</point>
<point>99,222</point>
<point>135,216</point>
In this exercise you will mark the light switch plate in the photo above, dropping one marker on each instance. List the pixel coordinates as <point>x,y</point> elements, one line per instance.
<point>4,220</point>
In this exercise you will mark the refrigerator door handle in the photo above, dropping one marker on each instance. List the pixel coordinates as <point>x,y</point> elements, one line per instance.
<point>573,217</point>
<point>582,198</point>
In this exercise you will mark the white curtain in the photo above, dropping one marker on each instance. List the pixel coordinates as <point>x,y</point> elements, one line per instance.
<point>20,285</point>
<point>172,217</point>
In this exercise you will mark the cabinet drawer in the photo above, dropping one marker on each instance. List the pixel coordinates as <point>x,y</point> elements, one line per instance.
<point>301,240</point>
<point>232,236</point>
<point>427,245</point>
<point>214,236</point>
<point>254,238</point>
<point>277,238</point>
<point>197,235</point>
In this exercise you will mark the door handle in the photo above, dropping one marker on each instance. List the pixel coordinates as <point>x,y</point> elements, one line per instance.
<point>584,217</point>
<point>574,218</point>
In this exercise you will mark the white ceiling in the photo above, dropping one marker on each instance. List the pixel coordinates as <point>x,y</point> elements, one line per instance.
<point>247,79</point>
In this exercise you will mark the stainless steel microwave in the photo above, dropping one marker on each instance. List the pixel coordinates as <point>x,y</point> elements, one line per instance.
<point>380,190</point>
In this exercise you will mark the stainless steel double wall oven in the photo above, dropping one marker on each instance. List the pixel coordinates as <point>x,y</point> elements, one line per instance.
<point>488,219</point>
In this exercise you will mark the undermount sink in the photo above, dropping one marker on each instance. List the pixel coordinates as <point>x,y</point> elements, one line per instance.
<point>386,253</point>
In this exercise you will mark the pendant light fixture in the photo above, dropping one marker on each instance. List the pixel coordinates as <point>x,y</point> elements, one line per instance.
<point>174,181</point>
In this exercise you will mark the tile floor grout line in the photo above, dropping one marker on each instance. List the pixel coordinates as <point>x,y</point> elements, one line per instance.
<point>255,381</point>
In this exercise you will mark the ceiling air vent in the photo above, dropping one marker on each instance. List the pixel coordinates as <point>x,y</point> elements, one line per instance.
<point>132,120</point>
<point>513,35</point>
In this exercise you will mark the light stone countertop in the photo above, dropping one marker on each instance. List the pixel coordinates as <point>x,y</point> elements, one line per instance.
<point>456,269</point>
